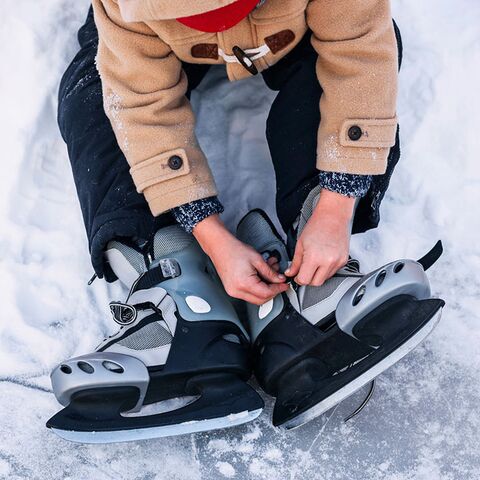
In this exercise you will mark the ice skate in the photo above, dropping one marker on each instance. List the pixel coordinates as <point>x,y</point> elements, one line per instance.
<point>180,343</point>
<point>316,346</point>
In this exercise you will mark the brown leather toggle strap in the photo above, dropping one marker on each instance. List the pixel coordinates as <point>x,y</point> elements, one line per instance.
<point>205,50</point>
<point>279,40</point>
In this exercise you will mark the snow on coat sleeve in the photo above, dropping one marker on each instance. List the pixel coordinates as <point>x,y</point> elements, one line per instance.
<point>357,69</point>
<point>144,90</point>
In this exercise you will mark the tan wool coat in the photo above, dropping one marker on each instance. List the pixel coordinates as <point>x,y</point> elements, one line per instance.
<point>139,59</point>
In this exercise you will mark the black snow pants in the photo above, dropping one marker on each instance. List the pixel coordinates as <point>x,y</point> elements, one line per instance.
<point>111,206</point>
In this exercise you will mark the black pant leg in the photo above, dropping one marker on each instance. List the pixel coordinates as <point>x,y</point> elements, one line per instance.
<point>110,204</point>
<point>292,128</point>
<point>367,214</point>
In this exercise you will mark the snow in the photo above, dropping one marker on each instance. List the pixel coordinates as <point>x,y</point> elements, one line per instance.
<point>423,421</point>
<point>225,469</point>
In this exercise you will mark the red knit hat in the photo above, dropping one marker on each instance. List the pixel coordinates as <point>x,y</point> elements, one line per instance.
<point>222,18</point>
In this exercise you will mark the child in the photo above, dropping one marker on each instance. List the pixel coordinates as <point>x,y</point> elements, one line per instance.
<point>149,62</point>
<point>125,115</point>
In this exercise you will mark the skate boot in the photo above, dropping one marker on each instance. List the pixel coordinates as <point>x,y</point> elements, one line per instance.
<point>178,364</point>
<point>315,346</point>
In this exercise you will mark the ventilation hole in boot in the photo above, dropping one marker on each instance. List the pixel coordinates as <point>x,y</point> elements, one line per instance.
<point>66,369</point>
<point>358,297</point>
<point>112,367</point>
<point>232,338</point>
<point>398,267</point>
<point>85,367</point>
<point>380,278</point>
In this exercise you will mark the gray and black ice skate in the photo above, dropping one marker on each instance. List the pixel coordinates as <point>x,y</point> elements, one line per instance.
<point>180,344</point>
<point>315,346</point>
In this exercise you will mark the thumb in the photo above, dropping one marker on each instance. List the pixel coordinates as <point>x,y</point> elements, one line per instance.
<point>294,268</point>
<point>266,272</point>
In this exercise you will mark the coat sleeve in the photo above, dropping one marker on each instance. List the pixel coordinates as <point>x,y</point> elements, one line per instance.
<point>357,68</point>
<point>144,90</point>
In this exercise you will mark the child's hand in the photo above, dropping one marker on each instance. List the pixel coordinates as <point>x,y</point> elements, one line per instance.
<point>243,271</point>
<point>323,246</point>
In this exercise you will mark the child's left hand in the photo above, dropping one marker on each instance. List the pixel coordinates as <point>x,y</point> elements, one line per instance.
<point>323,246</point>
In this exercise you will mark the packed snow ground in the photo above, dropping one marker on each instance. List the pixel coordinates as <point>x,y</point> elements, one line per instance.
<point>423,422</point>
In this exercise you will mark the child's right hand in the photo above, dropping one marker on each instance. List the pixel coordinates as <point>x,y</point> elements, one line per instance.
<point>244,273</point>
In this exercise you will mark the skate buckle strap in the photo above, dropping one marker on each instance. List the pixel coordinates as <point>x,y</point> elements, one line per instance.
<point>166,269</point>
<point>170,268</point>
<point>123,313</point>
<point>126,313</point>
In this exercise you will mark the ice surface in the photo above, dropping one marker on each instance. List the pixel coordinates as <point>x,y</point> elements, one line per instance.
<point>423,422</point>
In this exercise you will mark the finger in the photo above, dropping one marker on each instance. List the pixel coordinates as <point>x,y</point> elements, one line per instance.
<point>273,262</point>
<point>320,277</point>
<point>276,267</point>
<point>260,293</point>
<point>255,300</point>
<point>267,273</point>
<point>306,272</point>
<point>331,272</point>
<point>266,292</point>
<point>335,268</point>
<point>246,297</point>
<point>324,274</point>
<point>296,262</point>
<point>278,288</point>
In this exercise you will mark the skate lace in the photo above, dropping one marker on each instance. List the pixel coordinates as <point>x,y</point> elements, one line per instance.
<point>352,266</point>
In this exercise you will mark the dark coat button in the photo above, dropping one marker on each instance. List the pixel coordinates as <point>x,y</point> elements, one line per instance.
<point>175,162</point>
<point>355,133</point>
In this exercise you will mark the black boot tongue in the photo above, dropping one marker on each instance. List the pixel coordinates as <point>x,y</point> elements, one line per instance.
<point>432,256</point>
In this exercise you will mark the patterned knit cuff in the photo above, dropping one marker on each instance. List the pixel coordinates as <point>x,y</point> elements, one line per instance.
<point>190,214</point>
<point>346,183</point>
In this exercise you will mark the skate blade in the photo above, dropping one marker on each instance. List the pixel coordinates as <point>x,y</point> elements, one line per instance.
<point>151,433</point>
<point>349,389</point>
